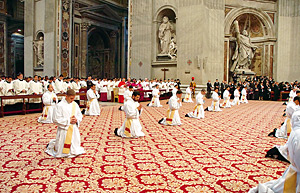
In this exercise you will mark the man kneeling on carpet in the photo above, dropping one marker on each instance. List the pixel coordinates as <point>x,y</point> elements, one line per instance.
<point>131,127</point>
<point>172,114</point>
<point>67,117</point>
<point>198,112</point>
<point>289,181</point>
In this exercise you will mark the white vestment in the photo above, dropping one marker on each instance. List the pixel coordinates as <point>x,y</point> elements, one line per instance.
<point>92,106</point>
<point>47,115</point>
<point>282,132</point>
<point>131,126</point>
<point>20,85</point>
<point>8,91</point>
<point>198,112</point>
<point>173,117</point>
<point>188,96</point>
<point>61,117</point>
<point>294,125</point>
<point>174,91</point>
<point>289,182</point>
<point>76,87</point>
<point>155,99</point>
<point>215,104</point>
<point>226,102</point>
<point>59,86</point>
<point>37,88</point>
<point>110,85</point>
<point>236,100</point>
<point>244,96</point>
<point>292,96</point>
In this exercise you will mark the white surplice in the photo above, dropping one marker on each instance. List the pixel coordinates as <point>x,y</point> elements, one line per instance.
<point>76,87</point>
<point>173,117</point>
<point>47,115</point>
<point>131,128</point>
<point>215,104</point>
<point>155,99</point>
<point>61,117</point>
<point>19,86</point>
<point>174,91</point>
<point>8,91</point>
<point>282,132</point>
<point>289,182</point>
<point>92,106</point>
<point>226,102</point>
<point>37,88</point>
<point>236,100</point>
<point>188,96</point>
<point>198,112</point>
<point>244,96</point>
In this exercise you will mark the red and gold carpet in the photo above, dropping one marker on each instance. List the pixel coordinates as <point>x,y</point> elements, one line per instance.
<point>222,153</point>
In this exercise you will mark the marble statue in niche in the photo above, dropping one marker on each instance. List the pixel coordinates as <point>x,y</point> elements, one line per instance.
<point>244,51</point>
<point>165,34</point>
<point>38,46</point>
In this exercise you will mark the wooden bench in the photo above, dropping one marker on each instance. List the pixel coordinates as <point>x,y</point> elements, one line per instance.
<point>25,105</point>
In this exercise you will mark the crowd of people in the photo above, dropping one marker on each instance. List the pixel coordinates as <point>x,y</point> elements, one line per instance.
<point>258,87</point>
<point>66,114</point>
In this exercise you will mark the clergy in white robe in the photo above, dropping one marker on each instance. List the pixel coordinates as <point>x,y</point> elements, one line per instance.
<point>289,182</point>
<point>198,112</point>
<point>8,90</point>
<point>67,117</point>
<point>75,85</point>
<point>20,87</point>
<point>236,94</point>
<point>49,100</point>
<point>174,90</point>
<point>110,87</point>
<point>244,96</point>
<point>127,96</point>
<point>215,104</point>
<point>285,128</point>
<point>103,90</point>
<point>155,97</point>
<point>188,95</point>
<point>226,96</point>
<point>92,106</point>
<point>131,127</point>
<point>59,85</point>
<point>35,88</point>
<point>173,117</point>
<point>292,94</point>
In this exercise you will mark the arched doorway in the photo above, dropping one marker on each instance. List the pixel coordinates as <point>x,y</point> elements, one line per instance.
<point>260,27</point>
<point>99,55</point>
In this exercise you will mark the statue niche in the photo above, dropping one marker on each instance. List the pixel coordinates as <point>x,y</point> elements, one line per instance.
<point>38,47</point>
<point>166,36</point>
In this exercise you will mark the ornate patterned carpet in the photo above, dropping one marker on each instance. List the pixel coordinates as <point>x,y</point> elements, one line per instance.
<point>222,153</point>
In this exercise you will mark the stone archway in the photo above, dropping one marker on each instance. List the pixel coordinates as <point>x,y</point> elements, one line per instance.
<point>261,30</point>
<point>98,60</point>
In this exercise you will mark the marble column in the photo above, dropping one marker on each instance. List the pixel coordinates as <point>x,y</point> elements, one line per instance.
<point>84,48</point>
<point>112,63</point>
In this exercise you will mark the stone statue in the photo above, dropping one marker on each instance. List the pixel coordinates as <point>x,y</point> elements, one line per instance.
<point>244,51</point>
<point>165,33</point>
<point>173,49</point>
<point>38,46</point>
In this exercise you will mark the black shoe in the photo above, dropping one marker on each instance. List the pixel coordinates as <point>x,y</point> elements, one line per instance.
<point>47,145</point>
<point>275,154</point>
<point>282,123</point>
<point>116,132</point>
<point>120,108</point>
<point>284,110</point>
<point>148,104</point>
<point>284,104</point>
<point>83,111</point>
<point>272,134</point>
<point>206,109</point>
<point>167,102</point>
<point>181,100</point>
<point>186,115</point>
<point>284,114</point>
<point>160,121</point>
